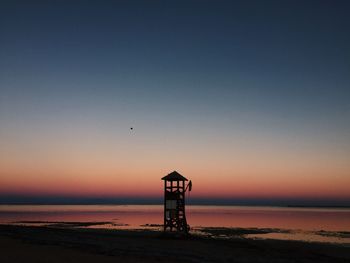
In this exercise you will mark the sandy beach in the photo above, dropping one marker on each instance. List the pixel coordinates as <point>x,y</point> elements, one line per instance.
<point>45,244</point>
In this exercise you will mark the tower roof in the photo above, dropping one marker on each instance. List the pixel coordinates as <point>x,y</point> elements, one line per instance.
<point>174,176</point>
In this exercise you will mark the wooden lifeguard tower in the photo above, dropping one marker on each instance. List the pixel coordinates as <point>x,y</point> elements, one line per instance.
<point>174,203</point>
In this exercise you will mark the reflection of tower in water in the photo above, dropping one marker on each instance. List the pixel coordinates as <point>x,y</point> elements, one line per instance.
<point>174,202</point>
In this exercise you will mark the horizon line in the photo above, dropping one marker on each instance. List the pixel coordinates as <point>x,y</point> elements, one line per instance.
<point>66,200</point>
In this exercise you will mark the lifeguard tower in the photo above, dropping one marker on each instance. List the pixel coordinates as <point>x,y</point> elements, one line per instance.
<point>174,202</point>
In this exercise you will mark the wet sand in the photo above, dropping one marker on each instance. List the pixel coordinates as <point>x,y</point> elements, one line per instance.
<point>46,244</point>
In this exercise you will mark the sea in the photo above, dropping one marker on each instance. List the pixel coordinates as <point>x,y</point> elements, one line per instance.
<point>264,222</point>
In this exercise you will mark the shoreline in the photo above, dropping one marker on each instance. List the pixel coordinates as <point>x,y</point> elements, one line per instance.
<point>104,245</point>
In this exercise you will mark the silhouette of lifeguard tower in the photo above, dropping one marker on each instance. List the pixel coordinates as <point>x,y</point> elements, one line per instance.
<point>174,203</point>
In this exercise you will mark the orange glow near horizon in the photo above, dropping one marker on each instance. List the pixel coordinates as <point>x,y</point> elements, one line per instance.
<point>133,167</point>
<point>137,183</point>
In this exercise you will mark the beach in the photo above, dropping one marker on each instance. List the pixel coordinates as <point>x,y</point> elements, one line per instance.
<point>49,244</point>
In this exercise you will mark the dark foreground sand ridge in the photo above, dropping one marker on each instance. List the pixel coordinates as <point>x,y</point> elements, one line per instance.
<point>44,244</point>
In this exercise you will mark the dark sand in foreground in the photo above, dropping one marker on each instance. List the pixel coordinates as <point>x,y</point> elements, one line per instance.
<point>43,244</point>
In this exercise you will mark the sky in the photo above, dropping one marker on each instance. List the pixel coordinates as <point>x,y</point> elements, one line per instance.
<point>248,99</point>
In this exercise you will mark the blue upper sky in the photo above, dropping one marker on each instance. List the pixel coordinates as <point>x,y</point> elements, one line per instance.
<point>288,59</point>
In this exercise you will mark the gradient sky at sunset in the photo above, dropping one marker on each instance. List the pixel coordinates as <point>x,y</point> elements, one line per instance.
<point>249,99</point>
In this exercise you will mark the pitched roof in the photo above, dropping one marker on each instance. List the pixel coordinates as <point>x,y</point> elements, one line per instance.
<point>174,176</point>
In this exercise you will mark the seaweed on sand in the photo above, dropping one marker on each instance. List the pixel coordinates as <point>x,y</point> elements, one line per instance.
<point>239,232</point>
<point>65,223</point>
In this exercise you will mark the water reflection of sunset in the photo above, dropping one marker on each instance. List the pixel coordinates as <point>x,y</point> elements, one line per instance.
<point>214,216</point>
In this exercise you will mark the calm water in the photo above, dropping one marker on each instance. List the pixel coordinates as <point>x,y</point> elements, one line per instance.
<point>300,220</point>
